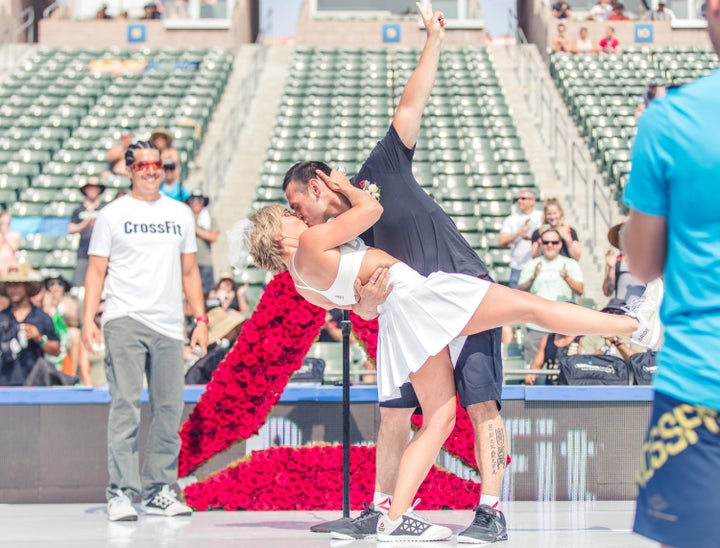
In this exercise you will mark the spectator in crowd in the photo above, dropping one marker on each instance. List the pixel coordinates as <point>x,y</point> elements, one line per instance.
<point>64,310</point>
<point>662,13</point>
<point>116,154</point>
<point>92,363</point>
<point>82,222</point>
<point>228,295</point>
<point>172,186</point>
<point>27,333</point>
<point>561,10</point>
<point>152,10</point>
<point>553,347</point>
<point>102,13</point>
<point>584,44</point>
<point>673,231</point>
<point>331,330</point>
<point>554,217</point>
<point>142,258</point>
<point>619,284</point>
<point>609,44</point>
<point>164,141</point>
<point>561,42</point>
<point>618,13</point>
<point>651,93</point>
<point>9,241</point>
<point>516,232</point>
<point>552,276</point>
<point>206,234</point>
<point>601,11</point>
<point>223,331</point>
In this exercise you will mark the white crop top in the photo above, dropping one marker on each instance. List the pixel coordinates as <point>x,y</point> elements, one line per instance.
<point>341,291</point>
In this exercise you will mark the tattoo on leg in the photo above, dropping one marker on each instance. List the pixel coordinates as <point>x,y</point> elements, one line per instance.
<point>501,453</point>
<point>493,450</point>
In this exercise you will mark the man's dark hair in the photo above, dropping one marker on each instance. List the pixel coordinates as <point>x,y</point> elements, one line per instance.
<point>130,152</point>
<point>302,172</point>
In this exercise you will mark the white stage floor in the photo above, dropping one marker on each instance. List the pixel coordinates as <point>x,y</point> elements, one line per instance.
<point>531,525</point>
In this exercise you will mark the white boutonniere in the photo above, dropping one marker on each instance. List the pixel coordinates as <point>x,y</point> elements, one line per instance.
<point>371,188</point>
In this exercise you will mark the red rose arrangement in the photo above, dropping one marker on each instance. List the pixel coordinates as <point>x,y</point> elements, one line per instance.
<point>310,478</point>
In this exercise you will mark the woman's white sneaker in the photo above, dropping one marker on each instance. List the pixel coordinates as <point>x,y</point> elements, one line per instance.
<point>646,310</point>
<point>410,526</point>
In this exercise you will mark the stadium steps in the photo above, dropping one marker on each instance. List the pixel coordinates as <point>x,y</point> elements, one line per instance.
<point>232,199</point>
<point>550,169</point>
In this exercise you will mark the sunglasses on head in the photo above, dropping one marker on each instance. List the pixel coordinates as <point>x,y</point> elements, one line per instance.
<point>146,166</point>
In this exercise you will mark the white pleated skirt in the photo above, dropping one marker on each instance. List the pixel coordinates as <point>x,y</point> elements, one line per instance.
<point>420,317</point>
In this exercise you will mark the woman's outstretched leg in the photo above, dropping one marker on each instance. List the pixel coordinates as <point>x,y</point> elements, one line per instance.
<point>434,385</point>
<point>503,305</point>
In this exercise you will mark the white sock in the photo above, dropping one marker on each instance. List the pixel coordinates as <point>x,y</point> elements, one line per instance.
<point>492,502</point>
<point>382,501</point>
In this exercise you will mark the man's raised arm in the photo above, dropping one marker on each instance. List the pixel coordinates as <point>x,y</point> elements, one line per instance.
<point>417,91</point>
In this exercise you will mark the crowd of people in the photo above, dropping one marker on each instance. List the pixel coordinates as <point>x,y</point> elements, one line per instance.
<point>612,10</point>
<point>583,43</point>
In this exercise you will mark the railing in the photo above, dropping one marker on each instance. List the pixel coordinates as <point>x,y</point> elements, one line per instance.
<point>26,23</point>
<point>551,121</point>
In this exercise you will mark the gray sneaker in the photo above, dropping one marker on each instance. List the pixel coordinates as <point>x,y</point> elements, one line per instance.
<point>488,526</point>
<point>646,310</point>
<point>362,527</point>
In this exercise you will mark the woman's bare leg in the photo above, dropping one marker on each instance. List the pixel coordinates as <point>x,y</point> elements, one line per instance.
<point>503,305</point>
<point>434,385</point>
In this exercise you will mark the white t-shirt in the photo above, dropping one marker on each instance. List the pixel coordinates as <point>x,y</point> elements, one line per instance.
<point>549,284</point>
<point>520,248</point>
<point>144,241</point>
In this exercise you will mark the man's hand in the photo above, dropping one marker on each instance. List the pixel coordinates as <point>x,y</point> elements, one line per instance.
<point>434,22</point>
<point>336,181</point>
<point>90,336</point>
<point>372,294</point>
<point>200,337</point>
<point>538,268</point>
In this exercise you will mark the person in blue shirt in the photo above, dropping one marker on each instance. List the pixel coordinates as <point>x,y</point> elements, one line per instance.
<point>674,231</point>
<point>172,187</point>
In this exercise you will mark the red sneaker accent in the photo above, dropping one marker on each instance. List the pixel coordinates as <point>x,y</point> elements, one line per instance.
<point>385,505</point>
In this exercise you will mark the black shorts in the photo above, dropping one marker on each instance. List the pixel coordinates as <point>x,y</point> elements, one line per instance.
<point>478,373</point>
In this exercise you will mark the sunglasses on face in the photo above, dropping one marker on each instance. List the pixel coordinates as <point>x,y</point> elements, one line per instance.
<point>525,198</point>
<point>146,166</point>
<point>550,242</point>
<point>53,283</point>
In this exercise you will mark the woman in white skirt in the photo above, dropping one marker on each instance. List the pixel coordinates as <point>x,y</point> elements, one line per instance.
<point>420,317</point>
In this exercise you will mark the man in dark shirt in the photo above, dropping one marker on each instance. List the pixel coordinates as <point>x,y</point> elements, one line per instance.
<point>82,222</point>
<point>414,229</point>
<point>27,332</point>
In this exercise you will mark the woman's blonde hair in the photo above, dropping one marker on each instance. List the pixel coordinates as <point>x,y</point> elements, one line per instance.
<point>552,202</point>
<point>265,249</point>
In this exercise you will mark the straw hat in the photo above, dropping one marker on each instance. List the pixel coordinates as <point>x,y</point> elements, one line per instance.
<point>221,323</point>
<point>162,132</point>
<point>613,235</point>
<point>21,273</point>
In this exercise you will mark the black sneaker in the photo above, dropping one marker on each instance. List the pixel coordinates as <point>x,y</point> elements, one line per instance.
<point>488,526</point>
<point>362,527</point>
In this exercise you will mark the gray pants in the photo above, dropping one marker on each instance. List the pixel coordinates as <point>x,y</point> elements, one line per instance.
<point>131,350</point>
